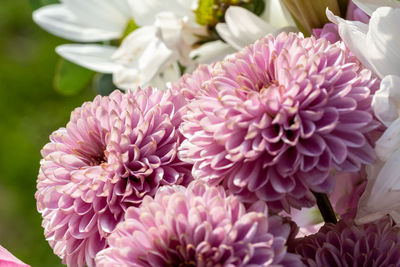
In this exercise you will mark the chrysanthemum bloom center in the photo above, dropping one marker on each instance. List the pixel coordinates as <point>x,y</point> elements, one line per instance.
<point>93,159</point>
<point>271,85</point>
<point>273,120</point>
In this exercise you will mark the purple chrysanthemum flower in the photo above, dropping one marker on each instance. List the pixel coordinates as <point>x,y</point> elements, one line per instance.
<point>346,244</point>
<point>113,152</point>
<point>198,226</point>
<point>274,119</point>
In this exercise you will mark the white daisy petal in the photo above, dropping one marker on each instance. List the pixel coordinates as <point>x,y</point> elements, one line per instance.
<point>211,52</point>
<point>168,75</point>
<point>383,45</point>
<point>91,56</point>
<point>154,58</point>
<point>226,34</point>
<point>382,195</point>
<point>144,67</point>
<point>104,14</point>
<point>243,27</point>
<point>248,25</point>
<point>386,101</point>
<point>127,78</point>
<point>170,28</point>
<point>277,14</point>
<point>369,6</point>
<point>354,34</point>
<point>145,12</point>
<point>375,45</point>
<point>389,142</point>
<point>134,45</point>
<point>58,20</point>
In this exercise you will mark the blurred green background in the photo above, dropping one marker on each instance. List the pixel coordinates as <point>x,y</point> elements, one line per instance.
<point>30,110</point>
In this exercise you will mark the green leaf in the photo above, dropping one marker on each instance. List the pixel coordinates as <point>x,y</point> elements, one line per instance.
<point>35,4</point>
<point>103,84</point>
<point>71,78</point>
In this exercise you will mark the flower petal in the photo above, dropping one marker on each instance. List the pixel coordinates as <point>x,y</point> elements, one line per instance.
<point>144,12</point>
<point>91,56</point>
<point>382,195</point>
<point>170,28</point>
<point>154,58</point>
<point>242,27</point>
<point>376,46</point>
<point>134,45</point>
<point>354,34</point>
<point>277,14</point>
<point>102,14</point>
<point>225,33</point>
<point>369,6</point>
<point>383,41</point>
<point>7,259</point>
<point>144,68</point>
<point>170,73</point>
<point>58,20</point>
<point>386,101</point>
<point>389,142</point>
<point>211,52</point>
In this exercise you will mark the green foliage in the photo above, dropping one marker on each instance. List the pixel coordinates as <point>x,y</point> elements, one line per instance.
<point>31,110</point>
<point>71,78</point>
<point>39,3</point>
<point>103,84</point>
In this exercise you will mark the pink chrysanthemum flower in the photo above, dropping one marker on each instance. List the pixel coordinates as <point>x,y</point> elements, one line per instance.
<point>189,85</point>
<point>346,244</point>
<point>274,119</point>
<point>198,226</point>
<point>113,152</point>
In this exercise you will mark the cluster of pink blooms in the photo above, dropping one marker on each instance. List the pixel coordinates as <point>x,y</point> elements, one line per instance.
<point>114,151</point>
<point>201,173</point>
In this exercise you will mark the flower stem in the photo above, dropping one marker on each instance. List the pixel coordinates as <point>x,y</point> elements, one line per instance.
<point>325,207</point>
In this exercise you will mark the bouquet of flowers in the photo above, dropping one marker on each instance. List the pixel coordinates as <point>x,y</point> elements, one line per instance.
<point>242,133</point>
